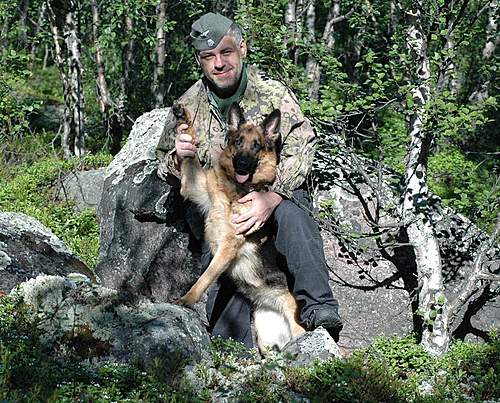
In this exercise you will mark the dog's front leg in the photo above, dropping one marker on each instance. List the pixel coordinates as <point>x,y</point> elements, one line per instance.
<point>222,260</point>
<point>194,182</point>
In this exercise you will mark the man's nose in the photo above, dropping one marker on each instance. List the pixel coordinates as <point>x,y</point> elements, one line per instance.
<point>219,62</point>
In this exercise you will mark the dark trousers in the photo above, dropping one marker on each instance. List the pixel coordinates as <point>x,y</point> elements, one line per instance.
<point>299,242</point>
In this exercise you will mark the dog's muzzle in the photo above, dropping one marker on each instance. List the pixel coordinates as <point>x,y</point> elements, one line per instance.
<point>244,166</point>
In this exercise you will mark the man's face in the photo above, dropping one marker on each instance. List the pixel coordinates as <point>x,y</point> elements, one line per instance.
<point>223,65</point>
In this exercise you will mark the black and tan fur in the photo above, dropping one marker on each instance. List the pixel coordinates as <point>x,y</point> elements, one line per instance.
<point>251,153</point>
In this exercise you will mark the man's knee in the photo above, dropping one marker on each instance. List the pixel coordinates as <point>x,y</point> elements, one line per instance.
<point>291,217</point>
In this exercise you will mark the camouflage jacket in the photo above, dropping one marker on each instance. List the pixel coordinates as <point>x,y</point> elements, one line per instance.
<point>261,97</point>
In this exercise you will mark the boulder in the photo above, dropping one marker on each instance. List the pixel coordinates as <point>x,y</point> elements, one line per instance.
<point>81,320</point>
<point>83,188</point>
<point>28,249</point>
<point>144,248</point>
<point>311,346</point>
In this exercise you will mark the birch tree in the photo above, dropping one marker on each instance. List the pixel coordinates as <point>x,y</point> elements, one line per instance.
<point>70,67</point>
<point>415,198</point>
<point>159,70</point>
<point>112,114</point>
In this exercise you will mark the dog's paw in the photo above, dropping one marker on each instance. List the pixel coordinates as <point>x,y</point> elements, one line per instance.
<point>187,300</point>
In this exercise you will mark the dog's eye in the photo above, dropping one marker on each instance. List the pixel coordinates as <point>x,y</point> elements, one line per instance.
<point>256,146</point>
<point>238,142</point>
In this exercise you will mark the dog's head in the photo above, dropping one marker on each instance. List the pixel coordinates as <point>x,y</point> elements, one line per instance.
<point>250,146</point>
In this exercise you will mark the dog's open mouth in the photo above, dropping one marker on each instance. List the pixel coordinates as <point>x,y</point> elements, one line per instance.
<point>241,176</point>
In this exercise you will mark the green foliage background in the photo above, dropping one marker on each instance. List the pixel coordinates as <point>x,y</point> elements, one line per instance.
<point>364,97</point>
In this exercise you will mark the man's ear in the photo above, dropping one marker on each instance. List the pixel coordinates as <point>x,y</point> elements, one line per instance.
<point>243,49</point>
<point>235,117</point>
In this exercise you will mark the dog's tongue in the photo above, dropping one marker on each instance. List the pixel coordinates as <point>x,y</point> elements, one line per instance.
<point>241,178</point>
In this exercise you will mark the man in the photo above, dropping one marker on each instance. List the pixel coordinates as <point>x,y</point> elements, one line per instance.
<point>220,52</point>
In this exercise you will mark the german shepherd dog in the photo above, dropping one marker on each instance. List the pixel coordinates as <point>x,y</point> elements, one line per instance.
<point>247,163</point>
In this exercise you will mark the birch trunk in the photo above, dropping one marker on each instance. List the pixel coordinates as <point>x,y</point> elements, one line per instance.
<point>313,71</point>
<point>312,66</point>
<point>492,40</point>
<point>23,15</point>
<point>299,21</point>
<point>69,66</point>
<point>159,71</point>
<point>41,19</point>
<point>75,77</point>
<point>415,198</point>
<point>112,119</point>
<point>290,24</point>
<point>61,66</point>
<point>448,76</point>
<point>128,58</point>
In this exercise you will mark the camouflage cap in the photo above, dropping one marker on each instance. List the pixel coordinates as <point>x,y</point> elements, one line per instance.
<point>208,31</point>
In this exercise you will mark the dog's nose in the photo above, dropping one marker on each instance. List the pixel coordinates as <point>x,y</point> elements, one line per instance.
<point>244,163</point>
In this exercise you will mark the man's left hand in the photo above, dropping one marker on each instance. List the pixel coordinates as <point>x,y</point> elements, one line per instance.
<point>263,205</point>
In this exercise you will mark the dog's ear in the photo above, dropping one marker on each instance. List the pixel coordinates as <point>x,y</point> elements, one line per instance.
<point>235,117</point>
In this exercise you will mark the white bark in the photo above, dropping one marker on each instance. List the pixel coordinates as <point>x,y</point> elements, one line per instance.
<point>491,30</point>
<point>75,77</point>
<point>159,71</point>
<point>61,66</point>
<point>312,67</point>
<point>448,77</point>
<point>290,23</point>
<point>70,68</point>
<point>103,95</point>
<point>313,71</point>
<point>492,40</point>
<point>436,335</point>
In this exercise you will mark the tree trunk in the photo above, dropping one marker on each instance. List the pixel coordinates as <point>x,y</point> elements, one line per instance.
<point>312,66</point>
<point>313,71</point>
<point>112,119</point>
<point>290,25</point>
<point>299,21</point>
<point>69,66</point>
<point>61,66</point>
<point>492,40</point>
<point>416,198</point>
<point>23,15</point>
<point>128,59</point>
<point>72,26</point>
<point>41,18</point>
<point>159,71</point>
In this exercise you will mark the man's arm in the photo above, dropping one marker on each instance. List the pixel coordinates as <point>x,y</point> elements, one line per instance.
<point>174,145</point>
<point>297,154</point>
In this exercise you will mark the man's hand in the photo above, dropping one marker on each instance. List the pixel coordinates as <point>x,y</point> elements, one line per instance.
<point>184,145</point>
<point>263,205</point>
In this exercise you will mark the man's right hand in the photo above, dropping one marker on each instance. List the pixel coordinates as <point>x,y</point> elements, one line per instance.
<point>184,145</point>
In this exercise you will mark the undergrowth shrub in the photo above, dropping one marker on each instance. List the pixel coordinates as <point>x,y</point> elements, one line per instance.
<point>30,190</point>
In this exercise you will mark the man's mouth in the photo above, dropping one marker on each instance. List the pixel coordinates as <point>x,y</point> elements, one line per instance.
<point>221,73</point>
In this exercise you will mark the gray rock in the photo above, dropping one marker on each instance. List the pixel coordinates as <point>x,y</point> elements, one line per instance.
<point>311,346</point>
<point>28,249</point>
<point>143,247</point>
<point>81,320</point>
<point>83,188</point>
